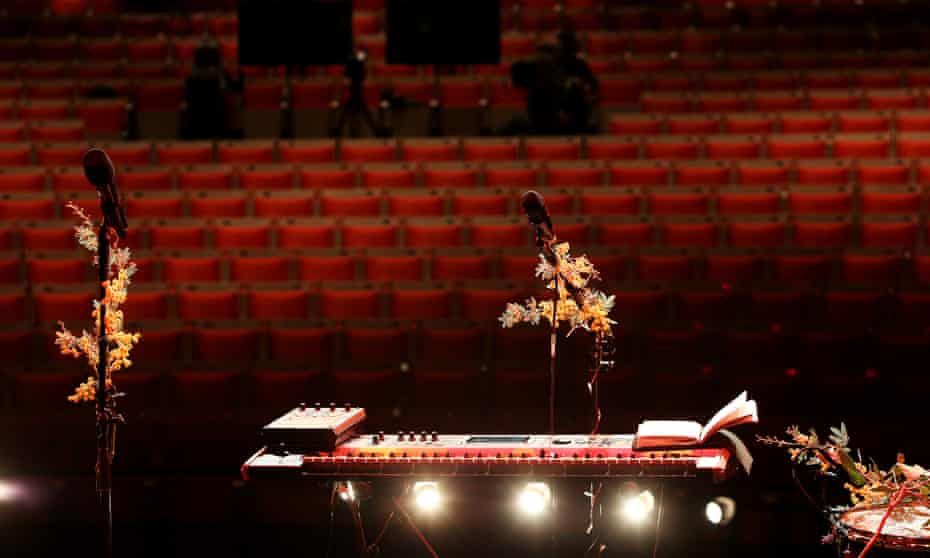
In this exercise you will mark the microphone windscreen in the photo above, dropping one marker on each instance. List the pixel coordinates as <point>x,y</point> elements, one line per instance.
<point>534,206</point>
<point>98,168</point>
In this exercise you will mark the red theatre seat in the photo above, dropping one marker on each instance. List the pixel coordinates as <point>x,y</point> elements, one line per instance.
<point>191,269</point>
<point>177,236</point>
<point>349,304</point>
<point>307,152</point>
<point>208,305</point>
<point>242,236</point>
<point>298,205</point>
<point>373,235</point>
<point>460,267</point>
<point>245,152</point>
<point>756,234</point>
<point>394,268</point>
<point>57,271</point>
<point>451,175</point>
<point>364,204</point>
<point>266,178</point>
<point>823,234</point>
<point>420,304</point>
<point>690,234</point>
<point>443,150</point>
<point>307,346</point>
<point>487,304</point>
<point>13,308</point>
<point>628,234</point>
<point>302,236</point>
<point>440,234</point>
<point>367,151</point>
<point>278,304</point>
<point>491,235</point>
<point>388,177</point>
<point>49,307</point>
<point>517,175</point>
<point>252,269</point>
<point>326,268</point>
<point>607,202</point>
<point>472,204</point>
<point>184,153</point>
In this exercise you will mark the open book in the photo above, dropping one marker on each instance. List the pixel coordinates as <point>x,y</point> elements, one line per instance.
<point>684,433</point>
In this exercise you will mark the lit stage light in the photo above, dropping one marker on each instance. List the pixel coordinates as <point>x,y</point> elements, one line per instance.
<point>346,492</point>
<point>636,508</point>
<point>8,491</point>
<point>427,496</point>
<point>534,499</point>
<point>720,510</point>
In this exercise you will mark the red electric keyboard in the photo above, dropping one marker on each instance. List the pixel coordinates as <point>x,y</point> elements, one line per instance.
<point>470,455</point>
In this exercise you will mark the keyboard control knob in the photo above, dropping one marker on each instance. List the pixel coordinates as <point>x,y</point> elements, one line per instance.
<point>348,407</point>
<point>375,439</point>
<point>423,436</point>
<point>412,436</point>
<point>400,435</point>
<point>303,407</point>
<point>381,435</point>
<point>435,436</point>
<point>317,406</point>
<point>332,407</point>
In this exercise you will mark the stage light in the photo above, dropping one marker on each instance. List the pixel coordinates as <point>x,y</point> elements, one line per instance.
<point>346,492</point>
<point>638,507</point>
<point>427,496</point>
<point>8,491</point>
<point>720,510</point>
<point>534,499</point>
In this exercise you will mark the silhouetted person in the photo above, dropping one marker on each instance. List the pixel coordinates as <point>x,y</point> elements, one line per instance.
<point>579,87</point>
<point>205,94</point>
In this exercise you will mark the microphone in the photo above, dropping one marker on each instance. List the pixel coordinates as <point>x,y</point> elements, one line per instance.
<point>536,213</point>
<point>99,170</point>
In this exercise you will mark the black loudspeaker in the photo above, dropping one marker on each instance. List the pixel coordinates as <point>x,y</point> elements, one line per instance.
<point>443,32</point>
<point>294,32</point>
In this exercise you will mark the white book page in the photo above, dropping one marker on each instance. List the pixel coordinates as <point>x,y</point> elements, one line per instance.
<point>669,431</point>
<point>738,411</point>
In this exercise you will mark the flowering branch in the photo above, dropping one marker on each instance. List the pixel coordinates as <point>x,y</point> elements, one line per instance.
<point>120,270</point>
<point>589,309</point>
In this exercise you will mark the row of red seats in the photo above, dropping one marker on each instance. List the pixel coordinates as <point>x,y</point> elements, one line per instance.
<point>22,188</point>
<point>794,122</point>
<point>64,130</point>
<point>562,202</point>
<point>891,69</point>
<point>96,116</point>
<point>697,138</point>
<point>813,231</point>
<point>888,77</point>
<point>636,308</point>
<point>833,99</point>
<point>868,267</point>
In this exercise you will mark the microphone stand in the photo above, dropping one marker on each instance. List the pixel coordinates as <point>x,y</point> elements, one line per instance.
<point>105,405</point>
<point>544,243</point>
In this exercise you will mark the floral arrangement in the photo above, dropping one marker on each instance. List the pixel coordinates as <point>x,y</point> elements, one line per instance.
<point>867,484</point>
<point>578,304</point>
<point>120,271</point>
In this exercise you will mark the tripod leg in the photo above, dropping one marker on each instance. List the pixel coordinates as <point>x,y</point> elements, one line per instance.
<point>337,121</point>
<point>374,124</point>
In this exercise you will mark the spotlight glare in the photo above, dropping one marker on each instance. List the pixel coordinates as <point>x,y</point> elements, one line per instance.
<point>347,492</point>
<point>534,499</point>
<point>427,497</point>
<point>720,510</point>
<point>637,508</point>
<point>8,491</point>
